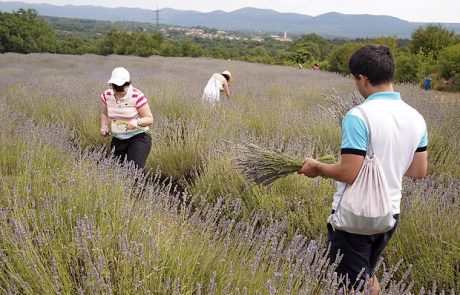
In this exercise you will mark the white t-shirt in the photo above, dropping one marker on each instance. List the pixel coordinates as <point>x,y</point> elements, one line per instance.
<point>398,131</point>
<point>213,88</point>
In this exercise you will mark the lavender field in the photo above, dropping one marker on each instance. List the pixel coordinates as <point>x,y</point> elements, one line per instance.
<point>74,222</point>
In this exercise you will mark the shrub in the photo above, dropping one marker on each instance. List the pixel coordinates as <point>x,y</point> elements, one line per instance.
<point>407,68</point>
<point>413,68</point>
<point>431,39</point>
<point>339,57</point>
<point>449,65</point>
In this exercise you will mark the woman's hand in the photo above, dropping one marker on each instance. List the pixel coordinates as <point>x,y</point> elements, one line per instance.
<point>133,124</point>
<point>105,131</point>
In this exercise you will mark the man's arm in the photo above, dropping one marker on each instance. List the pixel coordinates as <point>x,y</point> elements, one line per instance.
<point>346,170</point>
<point>419,166</point>
<point>353,151</point>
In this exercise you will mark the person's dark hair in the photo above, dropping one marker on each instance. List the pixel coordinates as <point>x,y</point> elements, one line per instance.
<point>120,88</point>
<point>227,77</point>
<point>376,62</point>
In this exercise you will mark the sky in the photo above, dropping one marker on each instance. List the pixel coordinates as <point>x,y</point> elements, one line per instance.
<point>442,11</point>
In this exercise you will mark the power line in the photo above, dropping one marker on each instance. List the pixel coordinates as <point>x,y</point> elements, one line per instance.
<point>157,14</point>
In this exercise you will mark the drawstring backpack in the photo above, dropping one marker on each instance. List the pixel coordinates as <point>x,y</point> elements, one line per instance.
<point>365,206</point>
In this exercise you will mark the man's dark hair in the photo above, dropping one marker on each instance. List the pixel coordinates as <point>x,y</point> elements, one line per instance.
<point>376,62</point>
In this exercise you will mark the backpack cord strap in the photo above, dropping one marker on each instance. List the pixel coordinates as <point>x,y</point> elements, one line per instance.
<point>369,144</point>
<point>369,140</point>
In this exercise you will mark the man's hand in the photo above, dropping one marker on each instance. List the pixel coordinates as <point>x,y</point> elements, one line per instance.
<point>310,168</point>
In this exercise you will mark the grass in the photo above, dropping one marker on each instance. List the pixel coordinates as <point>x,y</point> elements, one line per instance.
<point>69,229</point>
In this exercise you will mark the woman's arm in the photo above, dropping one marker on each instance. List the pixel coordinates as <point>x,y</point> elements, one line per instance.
<point>145,118</point>
<point>226,89</point>
<point>105,121</point>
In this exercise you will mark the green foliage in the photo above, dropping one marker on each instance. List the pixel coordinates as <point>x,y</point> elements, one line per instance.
<point>318,46</point>
<point>431,39</point>
<point>24,31</point>
<point>80,28</point>
<point>305,206</point>
<point>183,47</point>
<point>188,146</point>
<point>302,56</point>
<point>449,65</point>
<point>429,222</point>
<point>339,57</point>
<point>76,46</point>
<point>125,43</point>
<point>390,42</point>
<point>407,68</point>
<point>145,44</point>
<point>413,68</point>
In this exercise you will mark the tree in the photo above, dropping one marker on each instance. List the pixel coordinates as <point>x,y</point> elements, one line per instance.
<point>301,56</point>
<point>144,44</point>
<point>449,65</point>
<point>339,57</point>
<point>431,39</point>
<point>115,42</point>
<point>390,42</point>
<point>76,46</point>
<point>24,31</point>
<point>413,67</point>
<point>318,46</point>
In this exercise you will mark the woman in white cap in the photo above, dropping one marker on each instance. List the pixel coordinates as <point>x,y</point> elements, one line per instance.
<point>126,115</point>
<point>216,84</point>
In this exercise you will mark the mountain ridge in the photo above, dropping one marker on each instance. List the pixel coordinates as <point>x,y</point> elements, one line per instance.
<point>246,19</point>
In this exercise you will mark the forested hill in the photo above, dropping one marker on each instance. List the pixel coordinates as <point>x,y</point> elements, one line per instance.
<point>245,19</point>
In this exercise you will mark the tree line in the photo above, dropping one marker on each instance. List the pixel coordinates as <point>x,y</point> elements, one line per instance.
<point>432,51</point>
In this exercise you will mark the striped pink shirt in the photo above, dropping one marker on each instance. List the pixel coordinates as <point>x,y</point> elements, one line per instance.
<point>126,109</point>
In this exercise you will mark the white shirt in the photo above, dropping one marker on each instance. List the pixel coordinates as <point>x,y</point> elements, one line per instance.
<point>398,131</point>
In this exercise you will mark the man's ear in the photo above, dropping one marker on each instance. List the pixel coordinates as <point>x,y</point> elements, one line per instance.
<point>364,78</point>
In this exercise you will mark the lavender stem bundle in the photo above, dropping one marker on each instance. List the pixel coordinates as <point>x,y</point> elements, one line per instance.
<point>338,107</point>
<point>264,166</point>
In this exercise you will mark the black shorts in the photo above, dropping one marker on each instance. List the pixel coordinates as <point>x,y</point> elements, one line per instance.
<point>135,149</point>
<point>359,251</point>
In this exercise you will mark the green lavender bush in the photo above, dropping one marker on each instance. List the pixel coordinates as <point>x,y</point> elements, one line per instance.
<point>72,221</point>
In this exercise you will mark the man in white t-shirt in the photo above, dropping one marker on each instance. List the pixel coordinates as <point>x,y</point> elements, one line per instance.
<point>399,139</point>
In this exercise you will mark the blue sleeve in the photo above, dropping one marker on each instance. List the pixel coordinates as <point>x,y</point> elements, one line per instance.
<point>424,142</point>
<point>423,145</point>
<point>354,134</point>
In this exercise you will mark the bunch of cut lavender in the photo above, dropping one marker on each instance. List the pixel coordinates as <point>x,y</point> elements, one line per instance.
<point>264,166</point>
<point>338,107</point>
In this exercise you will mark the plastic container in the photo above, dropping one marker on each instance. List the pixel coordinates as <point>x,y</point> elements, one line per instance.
<point>427,83</point>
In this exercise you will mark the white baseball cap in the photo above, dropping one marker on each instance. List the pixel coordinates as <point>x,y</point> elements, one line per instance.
<point>228,74</point>
<point>119,76</point>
